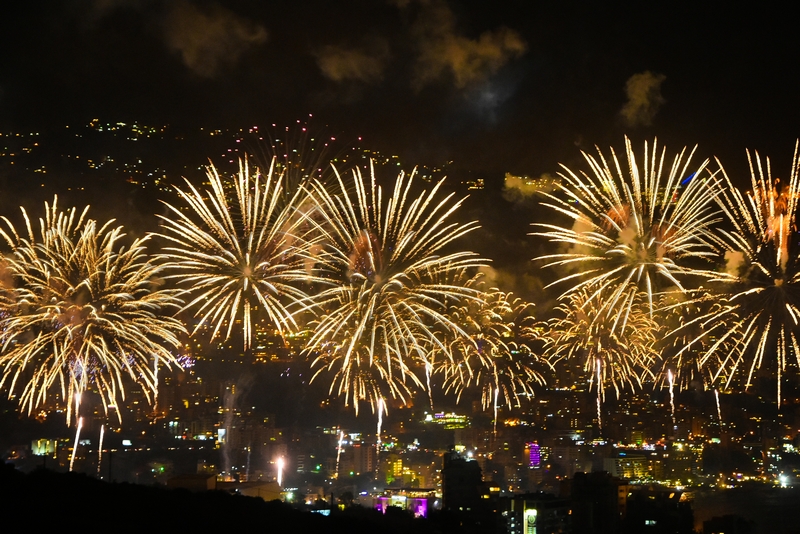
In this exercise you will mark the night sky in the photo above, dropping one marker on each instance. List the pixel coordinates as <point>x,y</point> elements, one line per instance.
<point>512,87</point>
<point>517,87</point>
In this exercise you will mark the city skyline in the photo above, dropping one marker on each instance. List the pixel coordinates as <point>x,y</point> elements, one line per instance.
<point>664,292</point>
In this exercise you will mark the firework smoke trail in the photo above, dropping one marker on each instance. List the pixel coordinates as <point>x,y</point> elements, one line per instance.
<point>100,451</point>
<point>381,320</point>
<point>85,312</point>
<point>632,231</point>
<point>719,410</point>
<point>758,294</point>
<point>237,257</point>
<point>227,423</point>
<point>247,467</point>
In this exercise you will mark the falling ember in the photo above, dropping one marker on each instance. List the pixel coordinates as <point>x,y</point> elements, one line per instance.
<point>719,411</point>
<point>77,439</point>
<point>599,398</point>
<point>155,386</point>
<point>380,421</point>
<point>77,429</point>
<point>428,372</point>
<point>100,450</point>
<point>339,451</point>
<point>671,396</point>
<point>381,408</point>
<point>496,395</point>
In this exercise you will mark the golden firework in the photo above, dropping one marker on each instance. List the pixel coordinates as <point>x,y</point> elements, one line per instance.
<point>643,228</point>
<point>84,312</point>
<point>237,248</point>
<point>392,284</point>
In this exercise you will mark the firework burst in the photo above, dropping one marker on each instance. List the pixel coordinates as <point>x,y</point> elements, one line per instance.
<point>683,339</point>
<point>392,284</point>
<point>496,357</point>
<point>758,294</point>
<point>85,313</point>
<point>633,230</point>
<point>237,249</point>
<point>616,349</point>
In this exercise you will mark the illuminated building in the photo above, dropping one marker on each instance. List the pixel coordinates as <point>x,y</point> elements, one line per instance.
<point>533,454</point>
<point>626,465</point>
<point>418,501</point>
<point>450,421</point>
<point>536,513</point>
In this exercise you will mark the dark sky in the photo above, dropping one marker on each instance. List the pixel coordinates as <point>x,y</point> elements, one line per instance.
<point>510,86</point>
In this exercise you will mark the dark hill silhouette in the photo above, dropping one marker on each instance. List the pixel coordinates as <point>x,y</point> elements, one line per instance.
<point>43,498</point>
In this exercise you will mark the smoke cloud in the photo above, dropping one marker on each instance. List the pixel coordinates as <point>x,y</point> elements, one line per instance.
<point>521,283</point>
<point>734,262</point>
<point>210,37</point>
<point>444,51</point>
<point>644,98</point>
<point>341,64</point>
<point>519,189</point>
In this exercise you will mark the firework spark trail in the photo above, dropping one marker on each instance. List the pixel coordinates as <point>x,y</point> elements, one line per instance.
<point>381,409</point>
<point>381,320</point>
<point>155,387</point>
<point>632,231</point>
<point>100,451</point>
<point>238,256</point>
<point>428,373</point>
<point>599,376</point>
<point>280,465</point>
<point>85,312</point>
<point>719,410</point>
<point>758,294</point>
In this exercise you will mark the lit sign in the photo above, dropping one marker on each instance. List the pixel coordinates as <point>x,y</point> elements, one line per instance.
<point>529,524</point>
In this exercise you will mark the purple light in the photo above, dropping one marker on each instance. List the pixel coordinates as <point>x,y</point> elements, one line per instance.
<point>535,456</point>
<point>382,504</point>
<point>419,507</point>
